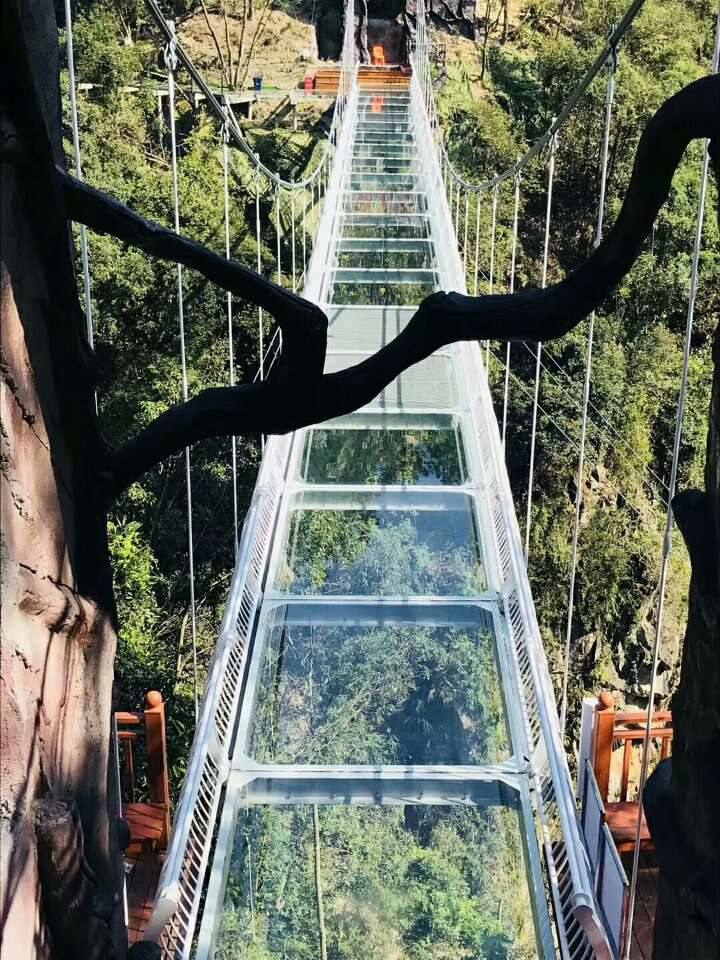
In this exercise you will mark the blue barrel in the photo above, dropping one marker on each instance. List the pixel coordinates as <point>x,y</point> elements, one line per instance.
<point>257,84</point>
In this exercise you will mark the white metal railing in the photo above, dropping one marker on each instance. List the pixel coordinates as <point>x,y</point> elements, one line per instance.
<point>580,925</point>
<point>179,890</point>
<point>175,912</point>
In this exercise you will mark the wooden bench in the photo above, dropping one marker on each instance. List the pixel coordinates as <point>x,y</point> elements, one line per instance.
<point>623,731</point>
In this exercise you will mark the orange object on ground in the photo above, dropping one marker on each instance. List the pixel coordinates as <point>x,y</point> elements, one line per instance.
<point>378,55</point>
<point>309,82</point>
<point>377,105</point>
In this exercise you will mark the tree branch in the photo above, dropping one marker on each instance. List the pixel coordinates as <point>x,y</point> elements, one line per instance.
<point>298,394</point>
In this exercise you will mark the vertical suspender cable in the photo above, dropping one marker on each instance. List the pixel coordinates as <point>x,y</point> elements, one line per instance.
<point>261,348</point>
<point>277,230</point>
<point>533,435</point>
<point>231,349</point>
<point>261,344</point>
<point>477,244</point>
<point>610,95</point>
<point>304,236</point>
<point>171,64</point>
<point>513,258</point>
<point>491,279</point>
<point>457,210</point>
<point>667,539</point>
<point>78,167</point>
<point>465,237</point>
<point>292,236</point>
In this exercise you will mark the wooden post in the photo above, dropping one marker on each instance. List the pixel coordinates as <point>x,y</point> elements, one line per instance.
<point>602,756</point>
<point>157,757</point>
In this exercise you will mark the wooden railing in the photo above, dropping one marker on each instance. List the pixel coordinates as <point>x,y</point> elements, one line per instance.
<point>149,820</point>
<point>616,735</point>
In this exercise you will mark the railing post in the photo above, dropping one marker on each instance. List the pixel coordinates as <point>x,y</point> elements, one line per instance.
<point>156,745</point>
<point>602,750</point>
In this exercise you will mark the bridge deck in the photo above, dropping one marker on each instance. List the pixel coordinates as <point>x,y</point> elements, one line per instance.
<point>380,676</point>
<point>396,718</point>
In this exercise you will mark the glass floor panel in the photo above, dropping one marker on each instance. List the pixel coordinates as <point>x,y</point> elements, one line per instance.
<point>386,693</point>
<point>365,328</point>
<point>405,882</point>
<point>385,203</point>
<point>382,181</point>
<point>383,275</point>
<point>429,385</point>
<point>382,166</point>
<point>384,228</point>
<point>387,259</point>
<point>380,293</point>
<point>389,545</point>
<point>385,456</point>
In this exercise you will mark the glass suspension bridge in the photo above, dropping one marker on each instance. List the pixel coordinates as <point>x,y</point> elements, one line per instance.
<point>379,670</point>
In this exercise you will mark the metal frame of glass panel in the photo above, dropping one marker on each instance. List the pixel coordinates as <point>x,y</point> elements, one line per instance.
<point>416,400</point>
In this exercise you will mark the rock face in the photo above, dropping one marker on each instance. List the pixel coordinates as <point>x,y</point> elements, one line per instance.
<point>58,636</point>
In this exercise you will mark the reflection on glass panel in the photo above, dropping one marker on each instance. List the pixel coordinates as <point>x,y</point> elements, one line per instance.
<point>392,552</point>
<point>380,259</point>
<point>384,456</point>
<point>384,693</point>
<point>380,294</point>
<point>405,882</point>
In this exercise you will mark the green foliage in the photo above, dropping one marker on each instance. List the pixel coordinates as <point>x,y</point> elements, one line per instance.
<point>637,353</point>
<point>409,882</point>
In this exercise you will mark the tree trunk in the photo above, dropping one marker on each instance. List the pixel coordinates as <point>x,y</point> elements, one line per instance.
<point>58,625</point>
<point>687,836</point>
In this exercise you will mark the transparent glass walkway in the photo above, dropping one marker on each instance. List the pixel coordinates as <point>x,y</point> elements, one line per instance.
<point>378,799</point>
<point>378,771</point>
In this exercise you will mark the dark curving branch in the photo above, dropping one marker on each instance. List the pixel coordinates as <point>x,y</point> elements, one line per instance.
<point>298,394</point>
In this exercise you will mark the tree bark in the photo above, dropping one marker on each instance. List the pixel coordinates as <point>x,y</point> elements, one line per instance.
<point>688,838</point>
<point>58,624</point>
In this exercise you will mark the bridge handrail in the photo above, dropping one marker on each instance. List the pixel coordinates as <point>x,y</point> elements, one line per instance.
<point>348,63</point>
<point>172,922</point>
<point>606,55</point>
<point>575,900</point>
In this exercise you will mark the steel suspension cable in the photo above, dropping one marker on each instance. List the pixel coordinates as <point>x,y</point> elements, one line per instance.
<point>229,302</point>
<point>491,271</point>
<point>513,259</point>
<point>78,169</point>
<point>477,244</point>
<point>667,539</point>
<point>602,436</point>
<point>640,512</point>
<point>465,237</point>
<point>609,97</point>
<point>277,230</point>
<point>259,269</point>
<point>533,435</point>
<point>171,64</point>
<point>292,238</point>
